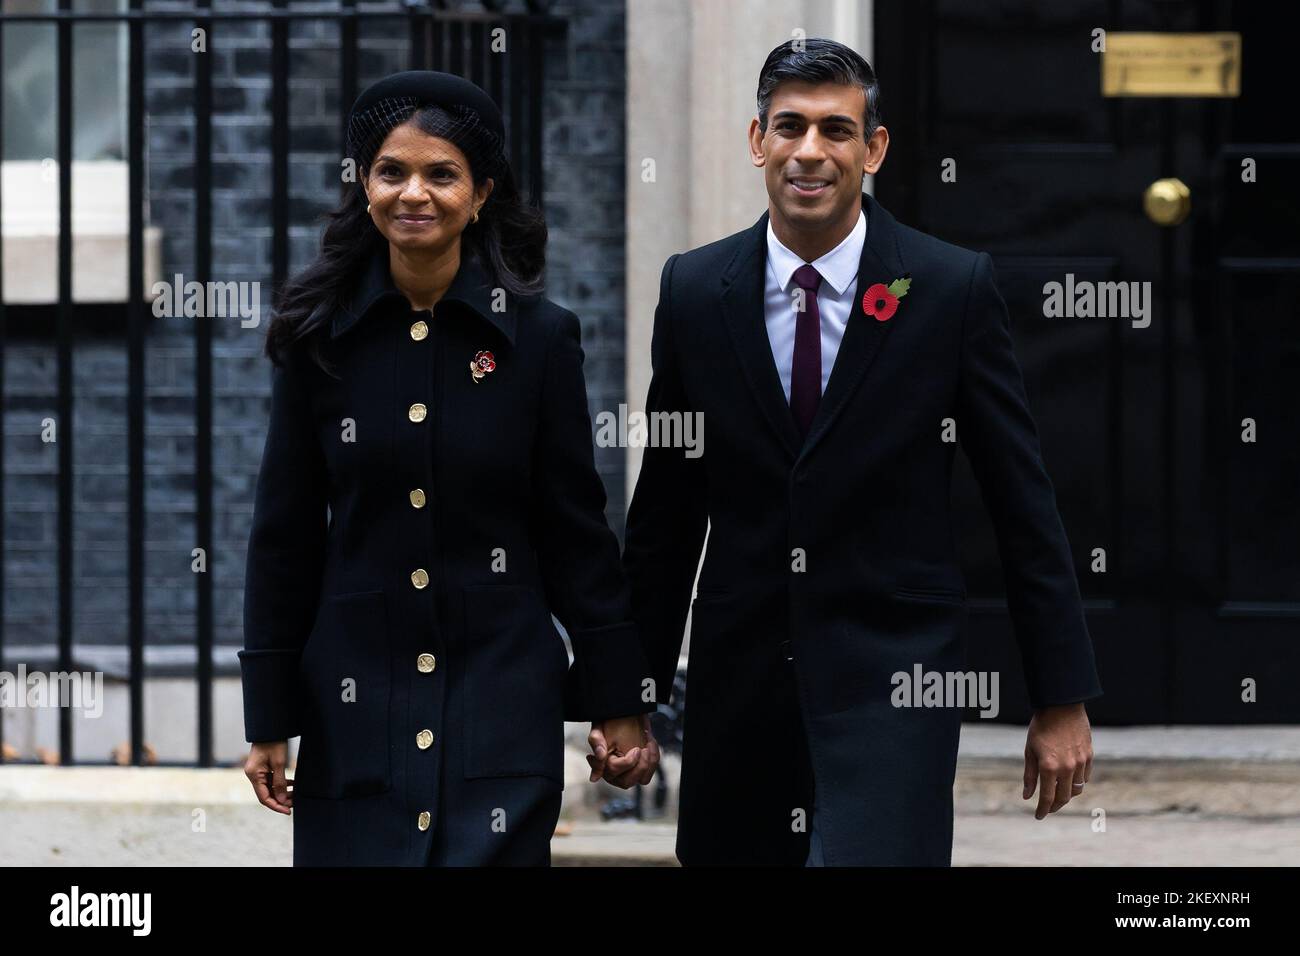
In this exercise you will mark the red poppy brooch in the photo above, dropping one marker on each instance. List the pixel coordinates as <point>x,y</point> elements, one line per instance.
<point>482,364</point>
<point>881,300</point>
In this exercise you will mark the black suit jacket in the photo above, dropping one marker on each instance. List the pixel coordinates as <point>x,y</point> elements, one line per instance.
<point>793,668</point>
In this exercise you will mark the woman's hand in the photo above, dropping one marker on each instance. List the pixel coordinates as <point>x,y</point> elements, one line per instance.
<point>265,770</point>
<point>623,751</point>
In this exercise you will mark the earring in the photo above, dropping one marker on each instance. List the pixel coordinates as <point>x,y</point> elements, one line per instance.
<point>367,207</point>
<point>475,219</point>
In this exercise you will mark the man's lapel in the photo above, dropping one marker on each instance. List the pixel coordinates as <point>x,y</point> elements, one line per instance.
<point>882,262</point>
<point>743,313</point>
<point>742,309</point>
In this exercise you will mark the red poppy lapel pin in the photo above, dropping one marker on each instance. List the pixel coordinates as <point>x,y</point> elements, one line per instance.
<point>881,300</point>
<point>482,364</point>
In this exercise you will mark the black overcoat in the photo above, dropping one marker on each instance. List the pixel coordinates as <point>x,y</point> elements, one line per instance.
<point>792,654</point>
<point>413,531</point>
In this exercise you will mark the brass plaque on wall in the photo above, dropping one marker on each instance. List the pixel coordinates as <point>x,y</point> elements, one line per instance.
<point>1171,64</point>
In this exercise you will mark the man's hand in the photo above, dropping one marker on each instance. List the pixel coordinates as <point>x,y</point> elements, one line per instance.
<point>623,751</point>
<point>264,768</point>
<point>1058,754</point>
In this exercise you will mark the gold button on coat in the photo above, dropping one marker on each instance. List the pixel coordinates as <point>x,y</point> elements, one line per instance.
<point>424,739</point>
<point>419,577</point>
<point>425,663</point>
<point>417,497</point>
<point>417,412</point>
<point>424,820</point>
<point>420,330</point>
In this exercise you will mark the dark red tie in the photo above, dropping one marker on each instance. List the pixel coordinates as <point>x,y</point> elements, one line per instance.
<point>806,371</point>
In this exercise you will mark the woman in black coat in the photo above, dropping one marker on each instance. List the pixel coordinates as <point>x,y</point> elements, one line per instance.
<point>428,396</point>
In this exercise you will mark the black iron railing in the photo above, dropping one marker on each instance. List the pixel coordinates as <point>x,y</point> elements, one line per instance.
<point>440,37</point>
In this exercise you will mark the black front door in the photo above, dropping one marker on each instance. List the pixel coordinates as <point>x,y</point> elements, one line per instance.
<point>1171,430</point>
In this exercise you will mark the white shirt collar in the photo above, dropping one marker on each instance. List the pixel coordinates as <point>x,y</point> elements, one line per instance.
<point>839,267</point>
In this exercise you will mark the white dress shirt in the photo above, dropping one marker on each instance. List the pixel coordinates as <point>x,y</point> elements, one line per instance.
<point>839,272</point>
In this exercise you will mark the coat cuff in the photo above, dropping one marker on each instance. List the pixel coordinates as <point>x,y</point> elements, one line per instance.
<point>1065,685</point>
<point>270,682</point>
<point>608,671</point>
<point>1040,699</point>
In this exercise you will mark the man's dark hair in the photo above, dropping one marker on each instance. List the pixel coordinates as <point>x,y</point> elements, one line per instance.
<point>819,61</point>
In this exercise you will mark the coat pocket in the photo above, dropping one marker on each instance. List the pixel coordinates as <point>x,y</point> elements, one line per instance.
<point>929,595</point>
<point>346,677</point>
<point>515,669</point>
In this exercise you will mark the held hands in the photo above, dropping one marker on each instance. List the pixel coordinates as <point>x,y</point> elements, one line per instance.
<point>264,768</point>
<point>623,751</point>
<point>1058,753</point>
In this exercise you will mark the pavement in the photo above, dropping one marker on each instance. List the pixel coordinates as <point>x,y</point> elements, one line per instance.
<point>1185,796</point>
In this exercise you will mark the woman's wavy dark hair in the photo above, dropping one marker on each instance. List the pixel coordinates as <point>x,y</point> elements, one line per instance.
<point>509,239</point>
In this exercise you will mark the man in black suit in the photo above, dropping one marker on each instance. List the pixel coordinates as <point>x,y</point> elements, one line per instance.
<point>836,357</point>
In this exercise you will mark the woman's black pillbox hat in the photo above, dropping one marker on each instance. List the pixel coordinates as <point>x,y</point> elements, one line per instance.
<point>386,102</point>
